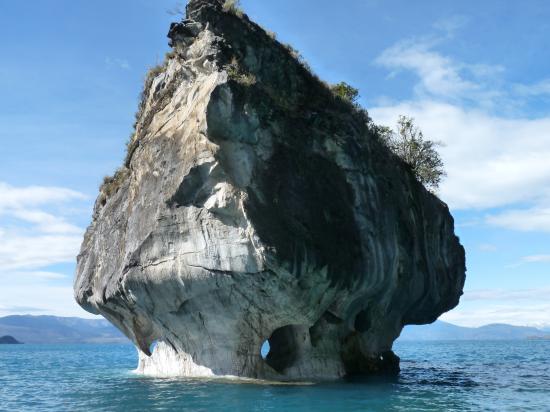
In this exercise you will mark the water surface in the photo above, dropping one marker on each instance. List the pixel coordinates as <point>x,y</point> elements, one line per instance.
<point>436,376</point>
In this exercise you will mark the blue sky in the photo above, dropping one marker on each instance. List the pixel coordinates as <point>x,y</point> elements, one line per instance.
<point>475,75</point>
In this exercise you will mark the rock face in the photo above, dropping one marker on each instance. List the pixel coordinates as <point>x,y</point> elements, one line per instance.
<point>255,205</point>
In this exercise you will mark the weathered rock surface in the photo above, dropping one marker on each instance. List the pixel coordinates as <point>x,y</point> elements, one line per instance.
<point>255,205</point>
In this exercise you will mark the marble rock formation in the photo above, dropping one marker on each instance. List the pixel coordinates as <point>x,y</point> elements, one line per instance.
<point>255,205</point>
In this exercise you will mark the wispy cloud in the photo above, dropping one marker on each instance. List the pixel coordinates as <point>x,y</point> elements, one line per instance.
<point>542,294</point>
<point>522,315</point>
<point>20,309</point>
<point>487,247</point>
<point>538,89</point>
<point>517,307</point>
<point>32,252</point>
<point>492,160</point>
<point>37,292</point>
<point>18,197</point>
<point>30,276</point>
<point>49,239</point>
<point>437,74</point>
<point>36,232</point>
<point>440,76</point>
<point>537,258</point>
<point>117,63</point>
<point>19,297</point>
<point>450,25</point>
<point>525,220</point>
<point>46,222</point>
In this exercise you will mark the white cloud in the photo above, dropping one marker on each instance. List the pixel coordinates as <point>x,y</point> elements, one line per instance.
<point>38,292</point>
<point>542,294</point>
<point>440,76</point>
<point>487,247</point>
<point>536,258</point>
<point>18,297</point>
<point>490,161</point>
<point>31,196</point>
<point>34,234</point>
<point>119,63</point>
<point>451,25</point>
<point>526,220</point>
<point>522,307</point>
<point>7,310</point>
<point>51,238</point>
<point>538,89</point>
<point>32,252</point>
<point>537,315</point>
<point>30,275</point>
<point>46,222</point>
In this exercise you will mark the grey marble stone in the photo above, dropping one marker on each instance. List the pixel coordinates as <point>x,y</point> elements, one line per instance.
<point>255,205</point>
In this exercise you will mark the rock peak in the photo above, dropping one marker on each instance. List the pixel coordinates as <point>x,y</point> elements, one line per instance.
<point>199,3</point>
<point>197,8</point>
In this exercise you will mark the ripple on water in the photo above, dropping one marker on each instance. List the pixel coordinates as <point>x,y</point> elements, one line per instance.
<point>436,376</point>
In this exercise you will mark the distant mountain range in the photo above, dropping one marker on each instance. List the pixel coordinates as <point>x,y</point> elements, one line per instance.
<point>53,329</point>
<point>440,330</point>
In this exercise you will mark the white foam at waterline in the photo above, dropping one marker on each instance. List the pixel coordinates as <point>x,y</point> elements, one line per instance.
<point>166,363</point>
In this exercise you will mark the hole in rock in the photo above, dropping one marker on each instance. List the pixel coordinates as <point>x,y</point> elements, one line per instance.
<point>153,346</point>
<point>284,346</point>
<point>264,351</point>
<point>362,322</point>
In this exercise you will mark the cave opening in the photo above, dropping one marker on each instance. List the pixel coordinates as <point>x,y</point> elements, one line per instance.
<point>284,345</point>
<point>362,322</point>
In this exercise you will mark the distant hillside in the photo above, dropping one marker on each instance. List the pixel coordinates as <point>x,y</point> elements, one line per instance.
<point>8,340</point>
<point>440,330</point>
<point>52,329</point>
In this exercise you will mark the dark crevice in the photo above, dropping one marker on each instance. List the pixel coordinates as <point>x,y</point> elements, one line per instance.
<point>356,363</point>
<point>362,322</point>
<point>332,318</point>
<point>283,348</point>
<point>194,190</point>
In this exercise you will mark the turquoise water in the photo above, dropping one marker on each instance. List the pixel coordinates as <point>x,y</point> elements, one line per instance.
<point>436,376</point>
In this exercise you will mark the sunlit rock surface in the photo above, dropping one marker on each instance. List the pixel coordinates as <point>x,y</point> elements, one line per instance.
<point>255,205</point>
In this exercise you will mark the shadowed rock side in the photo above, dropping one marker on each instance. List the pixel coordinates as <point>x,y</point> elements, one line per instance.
<point>255,205</point>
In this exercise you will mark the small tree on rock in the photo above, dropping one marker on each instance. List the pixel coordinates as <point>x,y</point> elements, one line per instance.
<point>346,92</point>
<point>421,155</point>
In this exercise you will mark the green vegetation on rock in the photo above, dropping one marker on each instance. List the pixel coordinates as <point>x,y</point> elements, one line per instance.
<point>407,142</point>
<point>235,72</point>
<point>111,184</point>
<point>346,92</point>
<point>420,154</point>
<point>233,7</point>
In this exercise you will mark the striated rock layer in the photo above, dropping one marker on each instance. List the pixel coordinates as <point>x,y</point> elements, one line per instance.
<point>253,206</point>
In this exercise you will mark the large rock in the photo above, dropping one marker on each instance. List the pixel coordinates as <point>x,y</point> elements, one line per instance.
<point>255,205</point>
